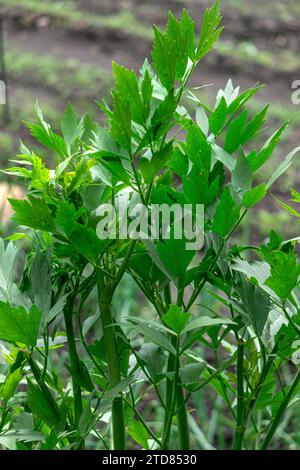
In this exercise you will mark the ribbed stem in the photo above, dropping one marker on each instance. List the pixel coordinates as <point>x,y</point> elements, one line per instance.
<point>182,420</point>
<point>118,420</point>
<point>240,423</point>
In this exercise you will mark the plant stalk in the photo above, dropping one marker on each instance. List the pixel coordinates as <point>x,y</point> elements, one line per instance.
<point>240,423</point>
<point>74,360</point>
<point>114,372</point>
<point>182,419</point>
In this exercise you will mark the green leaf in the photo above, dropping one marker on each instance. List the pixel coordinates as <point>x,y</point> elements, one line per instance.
<point>153,335</point>
<point>128,88</point>
<point>255,305</point>
<point>8,388</point>
<point>284,273</point>
<point>150,168</point>
<point>147,90</point>
<point>190,373</point>
<point>46,136</point>
<point>33,213</point>
<point>176,319</point>
<point>153,357</point>
<point>224,157</point>
<point>40,406</point>
<point>138,433</point>
<point>120,122</point>
<point>235,133</point>
<point>242,175</point>
<point>254,195</point>
<point>222,225</point>
<point>254,126</point>
<point>257,160</point>
<point>218,116</point>
<point>205,322</point>
<point>209,31</point>
<point>180,42</point>
<point>72,128</point>
<point>164,58</point>
<point>198,149</point>
<point>67,216</point>
<point>84,240</point>
<point>176,265</point>
<point>16,325</point>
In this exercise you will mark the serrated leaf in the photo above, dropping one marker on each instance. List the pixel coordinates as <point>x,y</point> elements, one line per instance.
<point>16,325</point>
<point>198,149</point>
<point>222,225</point>
<point>72,128</point>
<point>176,319</point>
<point>164,58</point>
<point>33,213</point>
<point>209,31</point>
<point>256,160</point>
<point>284,273</point>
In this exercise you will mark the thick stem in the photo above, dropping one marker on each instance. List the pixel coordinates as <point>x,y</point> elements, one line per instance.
<point>117,411</point>
<point>240,423</point>
<point>281,410</point>
<point>180,403</point>
<point>182,420</point>
<point>75,363</point>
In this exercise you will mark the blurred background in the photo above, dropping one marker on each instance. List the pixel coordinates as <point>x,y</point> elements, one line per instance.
<point>60,51</point>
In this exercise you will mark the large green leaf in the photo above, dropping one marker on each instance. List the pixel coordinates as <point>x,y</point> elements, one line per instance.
<point>33,213</point>
<point>18,325</point>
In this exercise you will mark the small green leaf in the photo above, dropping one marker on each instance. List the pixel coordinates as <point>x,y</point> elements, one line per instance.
<point>176,319</point>
<point>72,128</point>
<point>222,225</point>
<point>257,160</point>
<point>254,195</point>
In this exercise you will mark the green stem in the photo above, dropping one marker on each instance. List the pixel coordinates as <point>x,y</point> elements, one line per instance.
<point>74,360</point>
<point>281,410</point>
<point>117,411</point>
<point>240,422</point>
<point>182,420</point>
<point>171,393</point>
<point>172,388</point>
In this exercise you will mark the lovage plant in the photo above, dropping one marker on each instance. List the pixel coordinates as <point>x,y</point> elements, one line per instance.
<point>151,155</point>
